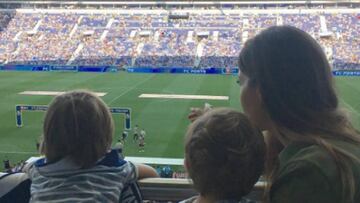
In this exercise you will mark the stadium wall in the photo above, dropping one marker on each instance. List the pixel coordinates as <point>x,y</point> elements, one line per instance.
<point>174,70</point>
<point>63,68</point>
<point>170,189</point>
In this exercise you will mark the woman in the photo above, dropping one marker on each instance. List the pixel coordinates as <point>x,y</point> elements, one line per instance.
<point>288,90</point>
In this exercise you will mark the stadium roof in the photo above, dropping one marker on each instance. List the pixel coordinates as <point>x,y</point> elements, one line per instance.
<point>176,2</point>
<point>164,3</point>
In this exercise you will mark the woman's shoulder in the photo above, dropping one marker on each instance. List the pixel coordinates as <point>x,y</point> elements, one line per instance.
<point>300,178</point>
<point>307,160</point>
<point>312,156</point>
<point>311,169</point>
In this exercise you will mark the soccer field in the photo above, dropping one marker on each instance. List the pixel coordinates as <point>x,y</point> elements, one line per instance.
<point>164,119</point>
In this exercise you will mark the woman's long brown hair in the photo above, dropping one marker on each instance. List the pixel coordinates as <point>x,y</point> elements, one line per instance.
<point>295,81</point>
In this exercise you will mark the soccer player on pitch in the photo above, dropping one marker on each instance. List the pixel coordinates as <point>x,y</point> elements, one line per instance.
<point>142,133</point>
<point>141,140</point>
<point>124,136</point>
<point>136,133</point>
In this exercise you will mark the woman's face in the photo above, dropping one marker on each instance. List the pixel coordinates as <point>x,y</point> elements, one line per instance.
<point>250,98</point>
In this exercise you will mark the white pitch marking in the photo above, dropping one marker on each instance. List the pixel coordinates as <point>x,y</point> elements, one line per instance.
<point>144,160</point>
<point>156,160</point>
<point>54,93</point>
<point>183,96</point>
<point>15,152</point>
<point>130,89</point>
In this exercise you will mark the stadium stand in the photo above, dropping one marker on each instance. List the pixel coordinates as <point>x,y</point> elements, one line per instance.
<point>202,40</point>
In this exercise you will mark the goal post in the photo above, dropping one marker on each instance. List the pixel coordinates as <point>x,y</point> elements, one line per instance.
<point>42,108</point>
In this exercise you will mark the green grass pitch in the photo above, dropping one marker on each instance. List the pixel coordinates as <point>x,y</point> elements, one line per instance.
<point>165,120</point>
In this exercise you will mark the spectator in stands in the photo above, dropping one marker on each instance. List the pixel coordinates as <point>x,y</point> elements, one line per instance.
<point>166,172</point>
<point>224,156</point>
<point>287,90</point>
<point>78,164</point>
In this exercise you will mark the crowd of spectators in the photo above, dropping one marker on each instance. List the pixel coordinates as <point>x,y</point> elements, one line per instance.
<point>226,151</point>
<point>5,45</point>
<point>116,39</point>
<point>345,46</point>
<point>167,50</point>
